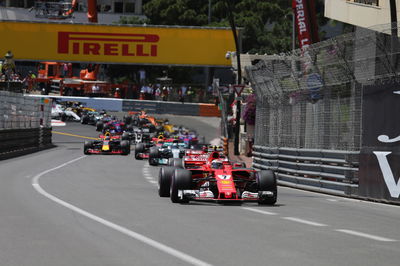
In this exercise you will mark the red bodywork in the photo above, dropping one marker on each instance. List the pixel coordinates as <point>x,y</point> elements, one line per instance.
<point>229,181</point>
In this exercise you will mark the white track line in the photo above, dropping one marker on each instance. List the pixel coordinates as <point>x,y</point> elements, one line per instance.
<point>260,211</point>
<point>298,220</point>
<point>360,234</point>
<point>157,245</point>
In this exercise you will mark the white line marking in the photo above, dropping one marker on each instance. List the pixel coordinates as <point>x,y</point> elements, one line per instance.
<point>157,245</point>
<point>373,237</point>
<point>332,200</point>
<point>153,182</point>
<point>342,198</point>
<point>298,220</point>
<point>260,211</point>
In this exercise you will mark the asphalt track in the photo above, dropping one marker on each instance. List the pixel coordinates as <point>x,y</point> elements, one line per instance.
<point>59,207</point>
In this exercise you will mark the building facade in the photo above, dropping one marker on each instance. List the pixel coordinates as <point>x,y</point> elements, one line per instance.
<point>361,13</point>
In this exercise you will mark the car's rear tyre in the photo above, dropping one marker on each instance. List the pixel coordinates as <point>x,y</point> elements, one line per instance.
<point>86,146</point>
<point>159,129</point>
<point>152,128</point>
<point>181,180</point>
<point>266,181</point>
<point>128,119</point>
<point>84,119</point>
<point>125,136</point>
<point>99,126</point>
<point>153,156</point>
<point>139,148</point>
<point>125,147</point>
<point>164,180</point>
<point>175,162</point>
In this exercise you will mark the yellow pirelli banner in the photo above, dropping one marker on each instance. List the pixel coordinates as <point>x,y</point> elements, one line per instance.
<point>116,43</point>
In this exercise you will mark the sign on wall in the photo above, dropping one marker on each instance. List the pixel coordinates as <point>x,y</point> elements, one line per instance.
<point>380,154</point>
<point>116,43</point>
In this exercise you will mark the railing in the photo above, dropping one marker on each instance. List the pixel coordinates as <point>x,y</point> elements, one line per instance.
<point>329,171</point>
<point>16,142</point>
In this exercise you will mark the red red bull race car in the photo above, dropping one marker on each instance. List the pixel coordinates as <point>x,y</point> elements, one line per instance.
<point>107,144</point>
<point>217,179</point>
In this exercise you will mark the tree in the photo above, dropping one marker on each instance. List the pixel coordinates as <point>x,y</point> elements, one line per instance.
<point>266,25</point>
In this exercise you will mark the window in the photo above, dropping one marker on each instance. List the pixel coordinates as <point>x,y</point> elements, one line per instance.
<point>366,2</point>
<point>118,7</point>
<point>129,7</point>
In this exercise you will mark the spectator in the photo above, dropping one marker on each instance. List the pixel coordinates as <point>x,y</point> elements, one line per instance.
<point>157,93</point>
<point>95,89</point>
<point>164,93</point>
<point>182,94</point>
<point>191,93</point>
<point>143,92</point>
<point>117,93</point>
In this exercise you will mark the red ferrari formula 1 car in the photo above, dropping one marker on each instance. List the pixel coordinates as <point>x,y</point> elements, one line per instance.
<point>219,180</point>
<point>107,144</point>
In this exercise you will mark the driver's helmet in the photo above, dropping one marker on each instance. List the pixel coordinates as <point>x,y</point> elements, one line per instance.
<point>107,135</point>
<point>175,145</point>
<point>217,164</point>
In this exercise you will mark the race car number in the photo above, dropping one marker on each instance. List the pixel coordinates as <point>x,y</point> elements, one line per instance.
<point>224,177</point>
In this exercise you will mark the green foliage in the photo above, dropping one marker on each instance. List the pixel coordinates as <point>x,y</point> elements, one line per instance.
<point>265,25</point>
<point>133,20</point>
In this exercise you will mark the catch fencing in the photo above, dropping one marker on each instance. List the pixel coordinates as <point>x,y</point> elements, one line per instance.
<point>310,104</point>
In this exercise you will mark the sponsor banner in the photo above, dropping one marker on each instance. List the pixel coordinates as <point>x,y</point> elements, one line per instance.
<point>304,11</point>
<point>380,154</point>
<point>116,43</point>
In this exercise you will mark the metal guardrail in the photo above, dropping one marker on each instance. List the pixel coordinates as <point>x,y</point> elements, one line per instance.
<point>15,142</point>
<point>329,171</point>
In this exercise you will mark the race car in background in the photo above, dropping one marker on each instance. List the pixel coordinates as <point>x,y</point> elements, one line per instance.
<point>115,127</point>
<point>58,111</point>
<point>161,154</point>
<point>217,179</point>
<point>137,135</point>
<point>107,144</point>
<point>92,117</point>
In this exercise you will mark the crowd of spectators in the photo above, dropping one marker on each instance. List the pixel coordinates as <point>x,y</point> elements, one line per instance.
<point>168,93</point>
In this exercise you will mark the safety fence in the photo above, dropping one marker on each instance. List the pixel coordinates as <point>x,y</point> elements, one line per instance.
<point>324,170</point>
<point>25,123</point>
<point>15,142</point>
<point>333,100</point>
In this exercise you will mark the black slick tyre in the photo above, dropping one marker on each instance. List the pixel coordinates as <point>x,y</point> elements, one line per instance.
<point>99,126</point>
<point>164,180</point>
<point>88,145</point>
<point>181,180</point>
<point>153,156</point>
<point>176,162</point>
<point>139,148</point>
<point>125,147</point>
<point>266,181</point>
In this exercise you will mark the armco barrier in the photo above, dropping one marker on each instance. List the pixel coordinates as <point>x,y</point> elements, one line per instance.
<point>178,108</point>
<point>152,107</point>
<point>15,142</point>
<point>334,172</point>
